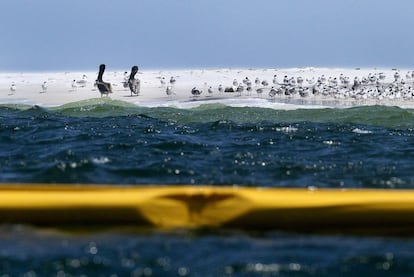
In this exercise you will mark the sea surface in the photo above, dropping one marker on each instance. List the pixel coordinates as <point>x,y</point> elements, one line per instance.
<point>113,142</point>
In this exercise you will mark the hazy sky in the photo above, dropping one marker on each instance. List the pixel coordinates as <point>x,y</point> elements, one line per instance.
<point>81,34</point>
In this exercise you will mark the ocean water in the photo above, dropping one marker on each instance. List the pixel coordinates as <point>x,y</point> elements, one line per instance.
<point>113,142</point>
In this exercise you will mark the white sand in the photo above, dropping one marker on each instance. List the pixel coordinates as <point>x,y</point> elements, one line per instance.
<point>29,88</point>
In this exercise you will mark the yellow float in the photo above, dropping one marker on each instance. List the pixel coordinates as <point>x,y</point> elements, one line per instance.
<point>370,211</point>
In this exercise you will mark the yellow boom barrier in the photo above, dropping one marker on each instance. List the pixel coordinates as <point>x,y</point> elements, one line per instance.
<point>367,210</point>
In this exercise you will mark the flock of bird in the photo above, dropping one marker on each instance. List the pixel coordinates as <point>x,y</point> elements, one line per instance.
<point>105,88</point>
<point>372,86</point>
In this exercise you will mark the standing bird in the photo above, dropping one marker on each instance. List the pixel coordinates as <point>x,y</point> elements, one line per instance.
<point>103,87</point>
<point>220,88</point>
<point>249,90</point>
<point>299,81</point>
<point>172,80</point>
<point>272,92</point>
<point>357,83</point>
<point>382,76</point>
<point>44,87</point>
<point>169,91</point>
<point>162,81</point>
<point>396,76</point>
<point>13,88</point>
<point>240,89</point>
<point>74,85</point>
<point>134,84</point>
<point>83,81</point>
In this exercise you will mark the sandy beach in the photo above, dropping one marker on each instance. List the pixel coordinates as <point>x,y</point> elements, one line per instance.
<point>67,87</point>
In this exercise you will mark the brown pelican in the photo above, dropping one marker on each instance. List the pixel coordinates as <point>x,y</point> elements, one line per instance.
<point>134,84</point>
<point>103,87</point>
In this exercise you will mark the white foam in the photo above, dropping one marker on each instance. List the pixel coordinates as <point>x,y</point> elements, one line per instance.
<point>287,129</point>
<point>100,160</point>
<point>361,131</point>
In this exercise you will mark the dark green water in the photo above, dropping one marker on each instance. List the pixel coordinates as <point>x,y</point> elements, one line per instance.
<point>112,142</point>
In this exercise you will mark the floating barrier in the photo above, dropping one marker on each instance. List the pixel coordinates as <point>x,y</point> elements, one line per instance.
<point>370,211</point>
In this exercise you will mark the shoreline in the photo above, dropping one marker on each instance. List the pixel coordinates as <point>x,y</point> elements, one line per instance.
<point>28,87</point>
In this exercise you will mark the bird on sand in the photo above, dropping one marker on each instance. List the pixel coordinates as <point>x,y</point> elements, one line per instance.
<point>44,87</point>
<point>103,87</point>
<point>134,84</point>
<point>12,88</point>
<point>195,91</point>
<point>169,91</point>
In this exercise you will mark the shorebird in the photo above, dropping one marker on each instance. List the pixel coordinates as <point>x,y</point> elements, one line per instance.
<point>272,92</point>
<point>333,81</point>
<point>195,91</point>
<point>169,91</point>
<point>311,81</point>
<point>275,79</point>
<point>257,81</point>
<point>372,78</point>
<point>44,87</point>
<point>172,80</point>
<point>381,76</point>
<point>103,87</point>
<point>299,81</point>
<point>83,81</point>
<point>303,92</point>
<point>210,90</point>
<point>134,84</point>
<point>125,81</point>
<point>13,88</point>
<point>408,76</point>
<point>346,81</point>
<point>235,83</point>
<point>74,86</point>
<point>357,83</point>
<point>220,88</point>
<point>396,76</point>
<point>162,81</point>
<point>240,89</point>
<point>265,83</point>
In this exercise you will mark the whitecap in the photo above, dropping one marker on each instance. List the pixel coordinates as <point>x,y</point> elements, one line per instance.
<point>331,142</point>
<point>286,129</point>
<point>361,131</point>
<point>100,160</point>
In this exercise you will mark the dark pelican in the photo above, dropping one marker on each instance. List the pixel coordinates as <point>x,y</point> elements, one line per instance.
<point>134,84</point>
<point>104,88</point>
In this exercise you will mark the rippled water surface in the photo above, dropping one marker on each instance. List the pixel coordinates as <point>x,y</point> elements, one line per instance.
<point>112,142</point>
